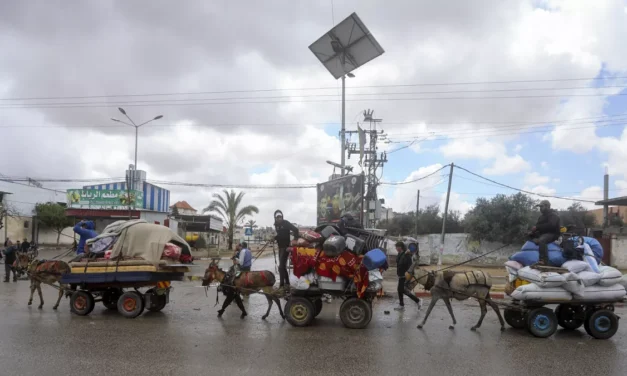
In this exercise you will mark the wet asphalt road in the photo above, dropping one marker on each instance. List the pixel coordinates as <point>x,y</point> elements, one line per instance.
<point>187,338</point>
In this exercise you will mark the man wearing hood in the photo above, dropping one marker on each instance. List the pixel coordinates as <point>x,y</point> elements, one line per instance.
<point>85,229</point>
<point>546,230</point>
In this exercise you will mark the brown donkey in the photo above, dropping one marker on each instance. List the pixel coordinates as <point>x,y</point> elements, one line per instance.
<point>39,272</point>
<point>258,282</point>
<point>447,285</point>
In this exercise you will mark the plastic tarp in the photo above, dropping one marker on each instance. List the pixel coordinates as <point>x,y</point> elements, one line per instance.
<point>147,241</point>
<point>594,244</point>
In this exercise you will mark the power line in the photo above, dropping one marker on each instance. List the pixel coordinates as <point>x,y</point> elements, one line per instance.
<point>310,88</point>
<point>418,179</point>
<point>522,190</point>
<point>110,105</point>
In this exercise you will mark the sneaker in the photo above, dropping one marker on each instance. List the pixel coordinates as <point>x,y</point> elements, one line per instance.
<point>399,308</point>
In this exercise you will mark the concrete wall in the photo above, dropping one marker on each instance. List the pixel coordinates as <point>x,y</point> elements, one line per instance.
<point>619,251</point>
<point>49,237</point>
<point>458,248</point>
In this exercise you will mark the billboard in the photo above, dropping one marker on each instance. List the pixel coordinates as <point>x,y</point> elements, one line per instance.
<point>340,196</point>
<point>104,199</point>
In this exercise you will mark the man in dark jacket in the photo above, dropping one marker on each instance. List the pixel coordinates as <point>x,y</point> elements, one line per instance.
<point>546,230</point>
<point>403,263</point>
<point>10,255</point>
<point>283,230</point>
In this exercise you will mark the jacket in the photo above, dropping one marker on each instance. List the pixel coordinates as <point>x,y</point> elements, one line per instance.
<point>245,258</point>
<point>283,233</point>
<point>403,262</point>
<point>10,255</point>
<point>548,224</point>
<point>85,233</point>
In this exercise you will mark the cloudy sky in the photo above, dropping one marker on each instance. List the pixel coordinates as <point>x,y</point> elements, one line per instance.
<point>527,93</point>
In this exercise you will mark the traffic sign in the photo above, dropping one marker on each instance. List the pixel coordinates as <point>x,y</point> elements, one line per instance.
<point>248,231</point>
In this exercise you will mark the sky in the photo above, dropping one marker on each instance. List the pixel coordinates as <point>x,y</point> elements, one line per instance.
<point>530,94</point>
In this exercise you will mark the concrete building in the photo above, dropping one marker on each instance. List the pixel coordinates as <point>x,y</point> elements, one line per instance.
<point>612,211</point>
<point>183,208</point>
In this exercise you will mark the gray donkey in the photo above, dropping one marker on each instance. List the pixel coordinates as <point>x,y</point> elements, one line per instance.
<point>458,285</point>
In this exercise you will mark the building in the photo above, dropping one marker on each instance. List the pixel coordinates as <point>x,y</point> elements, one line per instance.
<point>17,208</point>
<point>109,202</point>
<point>612,212</point>
<point>613,238</point>
<point>183,208</point>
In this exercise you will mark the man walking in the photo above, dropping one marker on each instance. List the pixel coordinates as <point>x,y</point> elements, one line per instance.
<point>403,263</point>
<point>283,230</point>
<point>546,230</point>
<point>10,255</point>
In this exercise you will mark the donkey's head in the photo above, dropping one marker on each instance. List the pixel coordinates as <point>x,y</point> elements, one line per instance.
<point>212,273</point>
<point>22,262</point>
<point>416,275</point>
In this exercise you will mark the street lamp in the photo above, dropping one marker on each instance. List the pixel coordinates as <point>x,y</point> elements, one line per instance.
<point>136,132</point>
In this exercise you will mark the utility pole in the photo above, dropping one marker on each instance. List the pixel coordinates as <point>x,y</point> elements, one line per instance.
<point>606,196</point>
<point>372,161</point>
<point>417,209</point>
<point>448,196</point>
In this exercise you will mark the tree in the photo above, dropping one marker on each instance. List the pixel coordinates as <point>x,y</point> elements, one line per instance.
<point>504,219</point>
<point>227,205</point>
<point>52,215</point>
<point>576,215</point>
<point>616,221</point>
<point>429,222</point>
<point>175,211</point>
<point>251,223</point>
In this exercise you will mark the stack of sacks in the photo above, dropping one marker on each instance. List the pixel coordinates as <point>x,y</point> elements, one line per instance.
<point>580,283</point>
<point>530,254</point>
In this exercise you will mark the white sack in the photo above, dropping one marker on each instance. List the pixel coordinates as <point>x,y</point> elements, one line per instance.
<point>515,265</point>
<point>576,266</point>
<point>604,293</point>
<point>623,281</point>
<point>535,292</point>
<point>542,279</point>
<point>609,276</point>
<point>590,258</point>
<point>573,285</point>
<point>589,278</point>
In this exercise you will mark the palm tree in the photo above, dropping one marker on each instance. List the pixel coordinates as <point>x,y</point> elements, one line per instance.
<point>251,223</point>
<point>227,206</point>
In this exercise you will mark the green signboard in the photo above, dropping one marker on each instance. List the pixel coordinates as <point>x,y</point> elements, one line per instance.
<point>104,199</point>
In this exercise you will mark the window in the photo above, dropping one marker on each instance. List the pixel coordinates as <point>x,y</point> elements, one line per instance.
<point>26,224</point>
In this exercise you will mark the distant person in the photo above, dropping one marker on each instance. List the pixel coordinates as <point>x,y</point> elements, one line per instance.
<point>283,229</point>
<point>7,242</point>
<point>404,260</point>
<point>10,255</point>
<point>85,229</point>
<point>245,258</point>
<point>25,246</point>
<point>546,230</point>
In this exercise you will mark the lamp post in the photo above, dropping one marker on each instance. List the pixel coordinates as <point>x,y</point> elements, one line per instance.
<point>136,133</point>
<point>343,135</point>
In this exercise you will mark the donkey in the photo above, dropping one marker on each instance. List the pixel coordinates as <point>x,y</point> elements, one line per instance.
<point>447,284</point>
<point>246,283</point>
<point>38,271</point>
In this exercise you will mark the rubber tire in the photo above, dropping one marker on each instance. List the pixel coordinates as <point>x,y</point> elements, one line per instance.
<point>355,313</point>
<point>516,319</point>
<point>128,309</point>
<point>602,324</point>
<point>110,298</point>
<point>302,308</point>
<point>162,301</point>
<point>317,306</point>
<point>542,322</point>
<point>565,320</point>
<point>85,300</point>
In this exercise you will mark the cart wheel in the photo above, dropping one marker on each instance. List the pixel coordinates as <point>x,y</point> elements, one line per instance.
<point>131,304</point>
<point>157,302</point>
<point>318,306</point>
<point>299,311</point>
<point>515,318</point>
<point>542,322</point>
<point>355,313</point>
<point>566,316</point>
<point>110,298</point>
<point>82,303</point>
<point>602,324</point>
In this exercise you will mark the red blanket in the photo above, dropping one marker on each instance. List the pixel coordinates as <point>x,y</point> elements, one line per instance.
<point>347,265</point>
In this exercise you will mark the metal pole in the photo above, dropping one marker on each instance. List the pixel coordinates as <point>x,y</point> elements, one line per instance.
<point>606,188</point>
<point>417,209</point>
<point>448,195</point>
<point>343,131</point>
<point>135,167</point>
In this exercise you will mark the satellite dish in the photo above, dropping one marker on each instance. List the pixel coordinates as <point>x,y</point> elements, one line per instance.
<point>346,47</point>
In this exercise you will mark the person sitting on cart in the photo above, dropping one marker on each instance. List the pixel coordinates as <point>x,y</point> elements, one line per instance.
<point>85,229</point>
<point>546,230</point>
<point>283,229</point>
<point>404,260</point>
